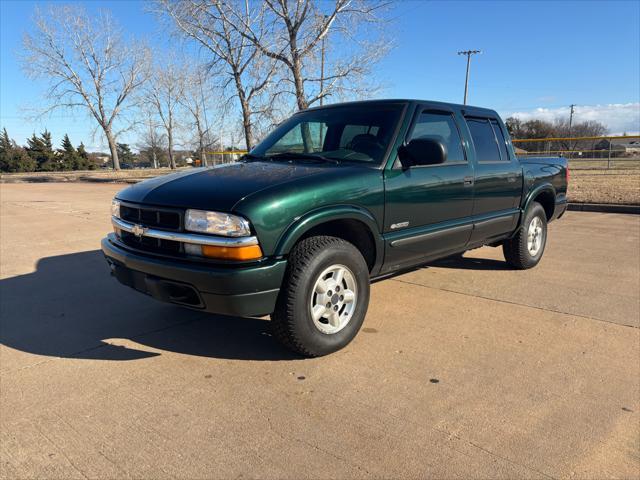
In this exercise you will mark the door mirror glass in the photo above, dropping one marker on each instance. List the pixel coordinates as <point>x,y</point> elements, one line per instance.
<point>422,151</point>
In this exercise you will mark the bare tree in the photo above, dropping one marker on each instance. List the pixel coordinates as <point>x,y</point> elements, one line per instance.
<point>87,63</point>
<point>209,23</point>
<point>196,98</point>
<point>558,129</point>
<point>152,140</point>
<point>294,34</point>
<point>163,92</point>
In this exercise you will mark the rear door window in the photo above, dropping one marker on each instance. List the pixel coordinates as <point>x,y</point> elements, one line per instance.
<point>484,140</point>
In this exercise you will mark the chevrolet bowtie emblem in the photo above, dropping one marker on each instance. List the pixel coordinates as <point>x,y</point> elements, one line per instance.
<point>138,230</point>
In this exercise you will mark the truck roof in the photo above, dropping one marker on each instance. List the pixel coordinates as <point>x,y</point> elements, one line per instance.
<point>456,106</point>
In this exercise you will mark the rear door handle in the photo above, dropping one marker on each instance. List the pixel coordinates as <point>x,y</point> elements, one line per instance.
<point>468,181</point>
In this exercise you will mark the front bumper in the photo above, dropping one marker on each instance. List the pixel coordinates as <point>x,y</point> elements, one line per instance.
<point>241,291</point>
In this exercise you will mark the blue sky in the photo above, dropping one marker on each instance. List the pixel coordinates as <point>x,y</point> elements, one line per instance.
<point>538,57</point>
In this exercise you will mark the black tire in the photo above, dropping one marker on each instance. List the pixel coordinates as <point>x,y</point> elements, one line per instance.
<point>516,250</point>
<point>292,322</point>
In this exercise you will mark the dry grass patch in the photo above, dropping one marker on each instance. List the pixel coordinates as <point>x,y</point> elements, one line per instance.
<point>605,186</point>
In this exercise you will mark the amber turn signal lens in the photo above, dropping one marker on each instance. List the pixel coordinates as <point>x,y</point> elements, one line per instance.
<point>251,252</point>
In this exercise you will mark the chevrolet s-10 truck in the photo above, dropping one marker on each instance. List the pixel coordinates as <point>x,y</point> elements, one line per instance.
<point>334,198</point>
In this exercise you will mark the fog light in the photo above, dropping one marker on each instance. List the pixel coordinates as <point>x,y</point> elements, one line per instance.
<point>193,249</point>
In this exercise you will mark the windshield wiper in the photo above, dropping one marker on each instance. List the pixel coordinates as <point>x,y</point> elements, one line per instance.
<point>303,156</point>
<point>251,156</point>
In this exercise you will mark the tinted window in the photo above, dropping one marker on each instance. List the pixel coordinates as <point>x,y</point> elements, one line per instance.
<point>502,143</point>
<point>294,139</point>
<point>350,133</point>
<point>440,127</point>
<point>484,140</point>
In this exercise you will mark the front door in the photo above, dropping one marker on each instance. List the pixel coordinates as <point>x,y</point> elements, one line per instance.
<point>428,208</point>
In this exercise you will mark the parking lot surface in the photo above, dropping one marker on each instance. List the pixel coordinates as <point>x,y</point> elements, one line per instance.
<point>463,369</point>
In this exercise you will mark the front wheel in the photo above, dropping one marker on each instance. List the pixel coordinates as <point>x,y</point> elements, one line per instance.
<point>525,249</point>
<point>324,297</point>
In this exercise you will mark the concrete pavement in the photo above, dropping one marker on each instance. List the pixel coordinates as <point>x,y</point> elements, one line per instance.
<point>463,369</point>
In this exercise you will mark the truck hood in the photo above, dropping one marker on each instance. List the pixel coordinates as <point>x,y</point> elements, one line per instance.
<point>217,188</point>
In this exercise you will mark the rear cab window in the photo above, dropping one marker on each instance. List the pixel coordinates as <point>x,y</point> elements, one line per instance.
<point>350,132</point>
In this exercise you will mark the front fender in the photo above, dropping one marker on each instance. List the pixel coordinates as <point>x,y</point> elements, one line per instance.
<point>312,219</point>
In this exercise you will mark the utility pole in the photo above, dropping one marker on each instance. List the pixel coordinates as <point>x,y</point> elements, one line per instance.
<point>468,53</point>
<point>322,66</point>
<point>571,117</point>
<point>570,125</point>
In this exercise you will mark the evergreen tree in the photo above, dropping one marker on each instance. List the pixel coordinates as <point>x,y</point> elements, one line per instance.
<point>67,146</point>
<point>12,157</point>
<point>125,155</point>
<point>85,161</point>
<point>5,142</point>
<point>68,155</point>
<point>17,160</point>
<point>41,151</point>
<point>34,144</point>
<point>82,151</point>
<point>46,139</point>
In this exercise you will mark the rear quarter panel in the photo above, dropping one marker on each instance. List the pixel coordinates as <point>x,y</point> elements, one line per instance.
<point>544,173</point>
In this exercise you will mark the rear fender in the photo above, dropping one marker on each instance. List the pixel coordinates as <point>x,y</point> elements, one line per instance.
<point>545,187</point>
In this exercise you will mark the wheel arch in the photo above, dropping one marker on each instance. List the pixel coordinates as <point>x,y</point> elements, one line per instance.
<point>353,224</point>
<point>545,195</point>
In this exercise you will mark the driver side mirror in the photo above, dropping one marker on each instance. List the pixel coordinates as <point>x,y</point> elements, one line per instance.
<point>422,151</point>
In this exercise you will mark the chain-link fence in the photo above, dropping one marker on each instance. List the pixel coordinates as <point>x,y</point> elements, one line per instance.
<point>220,157</point>
<point>602,152</point>
<point>612,152</point>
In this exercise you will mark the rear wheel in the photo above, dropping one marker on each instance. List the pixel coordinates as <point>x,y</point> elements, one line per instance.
<point>525,249</point>
<point>324,297</point>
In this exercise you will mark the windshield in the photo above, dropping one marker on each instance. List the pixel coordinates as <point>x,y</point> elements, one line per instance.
<point>355,133</point>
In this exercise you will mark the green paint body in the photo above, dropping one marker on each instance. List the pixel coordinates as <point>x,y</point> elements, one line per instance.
<point>413,215</point>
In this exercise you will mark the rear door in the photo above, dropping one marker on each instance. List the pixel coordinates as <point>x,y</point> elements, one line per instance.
<point>428,208</point>
<point>498,180</point>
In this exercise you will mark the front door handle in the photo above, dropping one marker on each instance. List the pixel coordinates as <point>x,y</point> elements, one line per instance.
<point>468,181</point>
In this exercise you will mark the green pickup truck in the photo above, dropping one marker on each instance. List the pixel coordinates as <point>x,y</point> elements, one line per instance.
<point>334,198</point>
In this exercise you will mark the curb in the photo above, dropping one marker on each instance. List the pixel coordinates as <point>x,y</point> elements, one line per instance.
<point>605,208</point>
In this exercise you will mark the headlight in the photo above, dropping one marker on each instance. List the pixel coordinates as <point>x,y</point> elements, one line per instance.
<point>115,208</point>
<point>216,223</point>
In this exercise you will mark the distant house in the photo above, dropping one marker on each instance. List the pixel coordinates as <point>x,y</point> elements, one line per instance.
<point>631,148</point>
<point>100,158</point>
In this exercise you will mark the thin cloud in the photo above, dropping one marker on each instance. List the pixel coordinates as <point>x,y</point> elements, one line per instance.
<point>618,117</point>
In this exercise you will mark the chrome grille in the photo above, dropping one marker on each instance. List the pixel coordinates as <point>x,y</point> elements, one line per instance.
<point>152,217</point>
<point>165,219</point>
